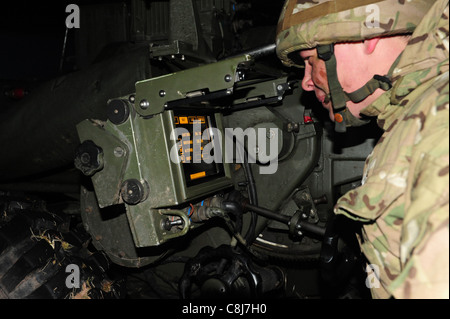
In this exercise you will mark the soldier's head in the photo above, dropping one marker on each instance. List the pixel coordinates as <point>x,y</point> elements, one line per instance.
<point>347,48</point>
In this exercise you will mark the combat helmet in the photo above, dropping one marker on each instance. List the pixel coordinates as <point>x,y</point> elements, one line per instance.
<point>307,24</point>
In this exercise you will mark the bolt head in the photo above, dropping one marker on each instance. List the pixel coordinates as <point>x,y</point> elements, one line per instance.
<point>144,104</point>
<point>134,191</point>
<point>119,151</point>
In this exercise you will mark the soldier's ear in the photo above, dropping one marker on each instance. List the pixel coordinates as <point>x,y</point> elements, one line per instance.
<point>370,45</point>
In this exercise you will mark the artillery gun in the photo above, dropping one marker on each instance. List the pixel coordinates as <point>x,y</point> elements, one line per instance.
<point>188,159</point>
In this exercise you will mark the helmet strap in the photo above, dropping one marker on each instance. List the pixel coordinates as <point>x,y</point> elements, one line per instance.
<point>339,97</point>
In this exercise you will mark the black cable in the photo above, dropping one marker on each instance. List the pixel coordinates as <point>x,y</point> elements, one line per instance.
<point>232,207</point>
<point>250,236</point>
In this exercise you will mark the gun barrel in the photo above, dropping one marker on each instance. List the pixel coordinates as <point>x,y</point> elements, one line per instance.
<point>39,134</point>
<point>259,52</point>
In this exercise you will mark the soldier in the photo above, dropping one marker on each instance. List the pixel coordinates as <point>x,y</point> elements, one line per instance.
<point>386,60</point>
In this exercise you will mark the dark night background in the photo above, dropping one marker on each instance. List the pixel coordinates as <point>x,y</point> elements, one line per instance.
<point>32,34</point>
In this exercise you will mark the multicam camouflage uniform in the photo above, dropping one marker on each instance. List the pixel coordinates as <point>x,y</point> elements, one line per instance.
<point>404,197</point>
<point>403,200</point>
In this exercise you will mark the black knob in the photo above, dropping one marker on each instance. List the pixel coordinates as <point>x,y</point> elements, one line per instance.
<point>118,111</point>
<point>133,191</point>
<point>89,158</point>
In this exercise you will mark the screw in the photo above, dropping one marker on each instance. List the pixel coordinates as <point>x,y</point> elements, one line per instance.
<point>162,93</point>
<point>119,152</point>
<point>227,78</point>
<point>144,104</point>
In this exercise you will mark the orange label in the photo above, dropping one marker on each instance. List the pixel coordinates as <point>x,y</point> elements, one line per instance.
<point>198,175</point>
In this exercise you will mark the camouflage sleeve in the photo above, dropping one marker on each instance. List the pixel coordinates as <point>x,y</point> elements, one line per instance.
<point>426,273</point>
<point>424,249</point>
